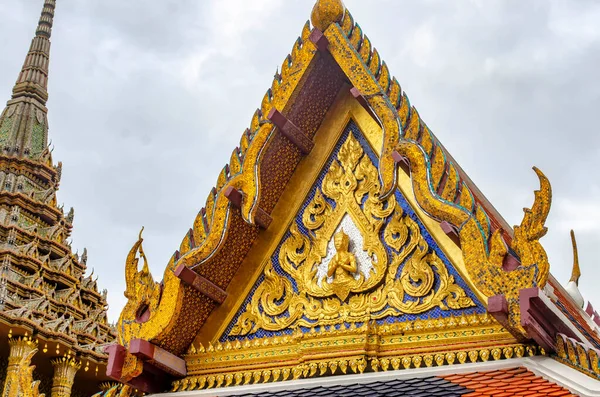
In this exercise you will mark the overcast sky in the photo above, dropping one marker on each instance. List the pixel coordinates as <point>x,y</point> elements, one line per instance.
<point>147,102</point>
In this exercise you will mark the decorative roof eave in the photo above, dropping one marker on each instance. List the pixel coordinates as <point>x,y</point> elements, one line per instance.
<point>31,167</point>
<point>58,247</point>
<point>578,356</point>
<point>321,352</point>
<point>55,305</point>
<point>51,273</point>
<point>439,189</point>
<point>66,343</point>
<point>48,213</point>
<point>213,224</point>
<point>243,171</point>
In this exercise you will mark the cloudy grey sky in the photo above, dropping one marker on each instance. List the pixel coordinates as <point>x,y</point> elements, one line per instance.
<point>147,102</point>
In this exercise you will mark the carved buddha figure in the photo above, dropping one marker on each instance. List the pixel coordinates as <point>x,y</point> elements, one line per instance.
<point>343,262</point>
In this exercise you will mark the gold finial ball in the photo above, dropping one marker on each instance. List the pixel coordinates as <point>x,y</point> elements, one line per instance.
<point>326,12</point>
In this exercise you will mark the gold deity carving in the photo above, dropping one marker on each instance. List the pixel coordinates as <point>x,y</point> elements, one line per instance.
<point>360,281</point>
<point>343,266</point>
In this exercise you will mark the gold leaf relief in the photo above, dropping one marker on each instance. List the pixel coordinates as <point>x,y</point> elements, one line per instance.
<point>317,212</point>
<point>331,287</point>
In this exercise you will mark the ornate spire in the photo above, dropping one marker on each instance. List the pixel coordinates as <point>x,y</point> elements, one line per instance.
<point>23,123</point>
<point>33,79</point>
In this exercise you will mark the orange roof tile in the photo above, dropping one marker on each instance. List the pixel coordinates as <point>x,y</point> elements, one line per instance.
<point>509,382</point>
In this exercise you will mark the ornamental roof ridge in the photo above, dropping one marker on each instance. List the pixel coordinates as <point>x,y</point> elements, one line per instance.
<point>499,261</point>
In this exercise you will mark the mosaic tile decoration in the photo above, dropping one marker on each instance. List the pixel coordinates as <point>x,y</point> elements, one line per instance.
<point>402,202</point>
<point>501,383</point>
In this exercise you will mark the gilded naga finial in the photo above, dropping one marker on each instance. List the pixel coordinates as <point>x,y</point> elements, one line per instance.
<point>326,12</point>
<point>141,291</point>
<point>527,235</point>
<point>576,272</point>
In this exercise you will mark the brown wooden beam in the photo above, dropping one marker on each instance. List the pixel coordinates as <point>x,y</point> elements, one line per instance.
<point>450,232</point>
<point>401,161</point>
<point>116,359</point>
<point>356,94</point>
<point>319,40</point>
<point>539,320</point>
<point>510,262</point>
<point>261,218</point>
<point>234,196</point>
<point>151,380</point>
<point>498,307</point>
<point>158,357</point>
<point>200,284</point>
<point>291,132</point>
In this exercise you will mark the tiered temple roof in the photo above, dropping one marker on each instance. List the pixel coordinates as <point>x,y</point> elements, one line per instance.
<point>343,251</point>
<point>44,294</point>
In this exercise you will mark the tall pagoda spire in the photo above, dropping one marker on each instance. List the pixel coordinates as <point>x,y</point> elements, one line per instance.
<point>33,79</point>
<point>43,287</point>
<point>23,123</point>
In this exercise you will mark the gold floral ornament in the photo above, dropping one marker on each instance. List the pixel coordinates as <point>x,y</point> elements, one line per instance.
<point>340,265</point>
<point>142,292</point>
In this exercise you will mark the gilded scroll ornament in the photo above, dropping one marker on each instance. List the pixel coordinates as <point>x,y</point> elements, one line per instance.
<point>341,266</point>
<point>483,249</point>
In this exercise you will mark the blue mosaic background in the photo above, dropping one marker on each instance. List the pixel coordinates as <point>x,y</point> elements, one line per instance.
<point>408,211</point>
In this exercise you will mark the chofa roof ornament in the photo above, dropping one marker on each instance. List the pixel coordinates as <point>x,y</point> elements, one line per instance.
<point>573,284</point>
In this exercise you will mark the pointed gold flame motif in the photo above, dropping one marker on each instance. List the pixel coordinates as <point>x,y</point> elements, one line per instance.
<point>576,272</point>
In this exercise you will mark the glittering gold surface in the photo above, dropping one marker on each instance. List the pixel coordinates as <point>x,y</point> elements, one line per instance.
<point>142,293</point>
<point>328,351</point>
<point>350,181</point>
<point>526,241</point>
<point>483,249</point>
<point>326,12</point>
<point>210,229</point>
<point>576,355</point>
<point>435,187</point>
<point>65,369</point>
<point>19,375</point>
